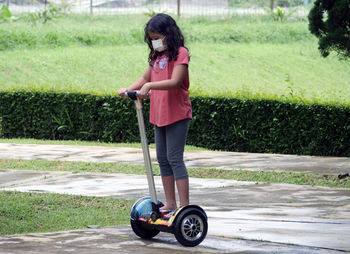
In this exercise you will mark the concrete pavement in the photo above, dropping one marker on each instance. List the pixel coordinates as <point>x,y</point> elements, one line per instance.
<point>113,240</point>
<point>226,160</point>
<point>244,217</point>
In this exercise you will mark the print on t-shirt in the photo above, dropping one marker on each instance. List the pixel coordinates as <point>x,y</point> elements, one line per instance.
<point>163,62</point>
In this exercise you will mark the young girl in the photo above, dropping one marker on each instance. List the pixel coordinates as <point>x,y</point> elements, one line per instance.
<point>170,108</point>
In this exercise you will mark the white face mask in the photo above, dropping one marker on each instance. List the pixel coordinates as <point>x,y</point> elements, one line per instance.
<point>158,45</point>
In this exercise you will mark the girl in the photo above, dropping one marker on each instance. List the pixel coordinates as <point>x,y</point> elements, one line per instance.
<point>170,108</point>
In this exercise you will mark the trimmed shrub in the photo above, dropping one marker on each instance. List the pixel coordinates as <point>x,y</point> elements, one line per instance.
<point>67,116</point>
<point>265,126</point>
<point>227,124</point>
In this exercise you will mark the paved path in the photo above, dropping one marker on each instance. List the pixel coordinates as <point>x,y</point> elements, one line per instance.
<point>291,218</point>
<point>227,160</point>
<point>114,240</point>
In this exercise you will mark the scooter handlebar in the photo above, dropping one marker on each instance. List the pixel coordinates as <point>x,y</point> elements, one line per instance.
<point>132,95</point>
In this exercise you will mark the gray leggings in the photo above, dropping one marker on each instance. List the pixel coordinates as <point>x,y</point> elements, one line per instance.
<point>170,145</point>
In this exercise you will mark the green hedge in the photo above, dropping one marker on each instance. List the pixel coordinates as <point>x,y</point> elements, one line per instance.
<point>219,123</point>
<point>67,116</point>
<point>265,126</point>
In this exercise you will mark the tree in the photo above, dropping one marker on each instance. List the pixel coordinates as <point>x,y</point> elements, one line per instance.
<point>329,20</point>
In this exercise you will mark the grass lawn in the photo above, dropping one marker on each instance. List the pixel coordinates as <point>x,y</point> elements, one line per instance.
<point>241,56</point>
<point>282,71</point>
<point>36,212</point>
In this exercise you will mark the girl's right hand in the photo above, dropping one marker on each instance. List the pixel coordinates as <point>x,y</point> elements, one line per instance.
<point>122,92</point>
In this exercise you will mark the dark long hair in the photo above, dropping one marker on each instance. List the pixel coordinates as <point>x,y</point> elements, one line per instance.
<point>164,24</point>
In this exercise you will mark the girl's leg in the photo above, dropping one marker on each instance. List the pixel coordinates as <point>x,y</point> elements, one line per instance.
<point>165,168</point>
<point>170,145</point>
<point>169,190</point>
<point>183,190</point>
<point>176,135</point>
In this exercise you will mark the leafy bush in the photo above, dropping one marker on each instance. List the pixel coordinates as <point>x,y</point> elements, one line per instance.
<point>67,116</point>
<point>229,124</point>
<point>329,21</point>
<point>270,126</point>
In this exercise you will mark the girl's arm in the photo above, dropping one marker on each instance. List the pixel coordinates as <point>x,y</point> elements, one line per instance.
<point>176,80</point>
<point>137,85</point>
<point>146,77</point>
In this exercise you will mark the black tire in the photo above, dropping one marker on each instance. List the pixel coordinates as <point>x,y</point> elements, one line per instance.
<point>141,231</point>
<point>191,227</point>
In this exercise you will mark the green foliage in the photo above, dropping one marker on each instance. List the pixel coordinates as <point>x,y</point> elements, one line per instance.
<point>279,14</point>
<point>44,16</point>
<point>6,15</point>
<point>66,126</point>
<point>67,117</point>
<point>119,30</point>
<point>329,21</point>
<point>229,124</point>
<point>283,14</point>
<point>1,131</point>
<point>270,126</point>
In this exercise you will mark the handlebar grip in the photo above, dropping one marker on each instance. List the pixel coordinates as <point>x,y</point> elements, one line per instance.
<point>132,95</point>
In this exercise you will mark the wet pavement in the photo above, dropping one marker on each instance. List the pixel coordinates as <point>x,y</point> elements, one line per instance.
<point>113,240</point>
<point>225,160</point>
<point>243,217</point>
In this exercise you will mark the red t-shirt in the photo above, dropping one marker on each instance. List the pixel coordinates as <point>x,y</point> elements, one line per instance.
<point>170,106</point>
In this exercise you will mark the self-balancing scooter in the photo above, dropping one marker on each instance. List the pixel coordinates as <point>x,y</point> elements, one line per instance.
<point>188,223</point>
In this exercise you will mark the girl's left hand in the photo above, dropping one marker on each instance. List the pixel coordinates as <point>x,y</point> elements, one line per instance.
<point>143,93</point>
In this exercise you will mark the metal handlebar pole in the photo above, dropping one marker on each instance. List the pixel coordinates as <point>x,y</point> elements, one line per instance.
<point>145,149</point>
